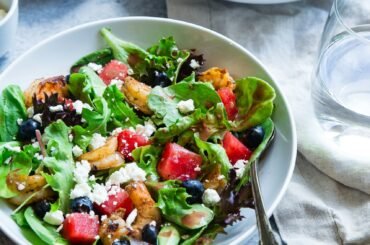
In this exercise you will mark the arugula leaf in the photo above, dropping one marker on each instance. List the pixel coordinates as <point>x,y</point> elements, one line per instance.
<point>44,231</point>
<point>163,101</point>
<point>97,121</point>
<point>122,114</point>
<point>12,107</point>
<point>60,179</point>
<point>101,57</point>
<point>213,154</point>
<point>257,103</point>
<point>163,135</point>
<point>172,202</point>
<point>58,144</point>
<point>86,85</point>
<point>147,158</point>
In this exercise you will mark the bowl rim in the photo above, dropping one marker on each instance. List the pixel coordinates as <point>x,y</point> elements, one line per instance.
<point>282,191</point>
<point>10,13</point>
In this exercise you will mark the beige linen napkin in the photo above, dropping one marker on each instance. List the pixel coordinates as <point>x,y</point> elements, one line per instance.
<point>330,206</point>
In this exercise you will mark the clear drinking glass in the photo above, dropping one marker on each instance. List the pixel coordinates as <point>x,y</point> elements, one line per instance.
<point>341,81</point>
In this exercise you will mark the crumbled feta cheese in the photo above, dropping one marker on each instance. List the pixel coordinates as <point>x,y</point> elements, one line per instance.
<point>96,67</point>
<point>97,237</point>
<point>92,213</point>
<point>131,172</point>
<point>147,130</point>
<point>239,167</point>
<point>117,82</point>
<point>81,171</point>
<point>21,186</point>
<point>130,72</point>
<point>135,173</point>
<point>19,121</point>
<point>194,64</point>
<point>56,108</point>
<point>78,105</point>
<point>103,217</point>
<point>97,141</point>
<point>54,218</point>
<point>210,197</point>
<point>38,156</point>
<point>30,111</point>
<point>92,178</point>
<point>116,131</point>
<point>77,151</point>
<point>119,177</point>
<point>186,106</point>
<point>99,194</point>
<point>70,137</point>
<point>37,117</point>
<point>81,190</point>
<point>197,169</point>
<point>153,223</point>
<point>13,148</point>
<point>131,218</point>
<point>36,144</point>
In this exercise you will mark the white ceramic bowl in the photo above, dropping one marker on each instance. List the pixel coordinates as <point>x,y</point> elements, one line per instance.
<point>8,25</point>
<point>55,55</point>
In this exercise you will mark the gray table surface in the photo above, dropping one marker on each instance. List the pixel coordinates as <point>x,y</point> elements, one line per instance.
<point>40,19</point>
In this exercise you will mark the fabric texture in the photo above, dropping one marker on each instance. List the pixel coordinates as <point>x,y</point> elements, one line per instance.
<point>328,199</point>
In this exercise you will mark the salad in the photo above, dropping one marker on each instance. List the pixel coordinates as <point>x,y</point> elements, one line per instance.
<point>134,146</point>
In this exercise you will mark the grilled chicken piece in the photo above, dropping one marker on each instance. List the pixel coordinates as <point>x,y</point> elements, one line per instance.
<point>114,227</point>
<point>219,78</point>
<point>136,93</point>
<point>146,208</point>
<point>26,186</point>
<point>47,86</point>
<point>104,157</point>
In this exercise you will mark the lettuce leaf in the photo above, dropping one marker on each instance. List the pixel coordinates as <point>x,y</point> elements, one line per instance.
<point>172,202</point>
<point>12,107</point>
<point>163,101</point>
<point>44,231</point>
<point>60,179</point>
<point>166,134</point>
<point>60,165</point>
<point>256,104</point>
<point>213,154</point>
<point>96,122</point>
<point>58,144</point>
<point>12,160</point>
<point>147,158</point>
<point>86,85</point>
<point>122,114</point>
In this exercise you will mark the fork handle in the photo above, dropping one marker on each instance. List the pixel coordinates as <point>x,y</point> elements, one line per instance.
<point>266,235</point>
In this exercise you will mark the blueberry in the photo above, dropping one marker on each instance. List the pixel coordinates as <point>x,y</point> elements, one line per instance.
<point>82,205</point>
<point>149,234</point>
<point>41,208</point>
<point>194,188</point>
<point>122,241</point>
<point>252,137</point>
<point>27,130</point>
<point>160,79</point>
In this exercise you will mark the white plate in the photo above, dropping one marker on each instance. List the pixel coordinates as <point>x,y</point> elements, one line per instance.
<point>55,55</point>
<point>262,1</point>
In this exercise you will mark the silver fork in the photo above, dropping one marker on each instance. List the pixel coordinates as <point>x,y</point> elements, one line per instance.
<point>266,234</point>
